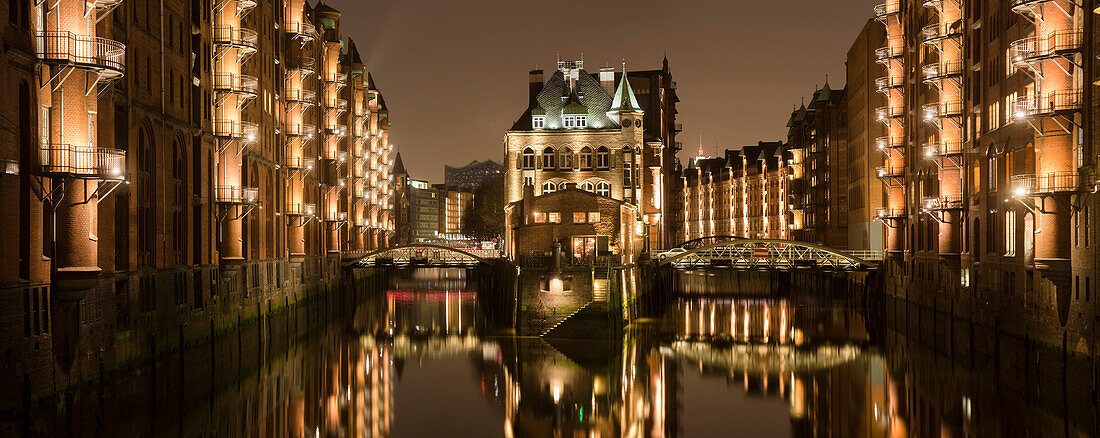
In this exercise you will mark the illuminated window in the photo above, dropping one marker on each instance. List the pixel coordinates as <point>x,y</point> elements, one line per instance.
<point>566,158</point>
<point>554,217</point>
<point>540,218</point>
<point>594,217</point>
<point>603,158</point>
<point>578,217</point>
<point>586,158</point>
<point>603,188</point>
<point>549,187</point>
<point>1010,234</point>
<point>528,158</point>
<point>549,160</point>
<point>538,122</point>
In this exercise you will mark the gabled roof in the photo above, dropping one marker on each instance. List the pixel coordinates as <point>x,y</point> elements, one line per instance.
<point>588,94</point>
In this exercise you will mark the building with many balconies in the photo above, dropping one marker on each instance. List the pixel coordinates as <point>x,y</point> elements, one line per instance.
<point>177,164</point>
<point>989,163</point>
<point>817,149</point>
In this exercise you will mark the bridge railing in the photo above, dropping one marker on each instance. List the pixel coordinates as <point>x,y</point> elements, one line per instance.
<point>870,255</point>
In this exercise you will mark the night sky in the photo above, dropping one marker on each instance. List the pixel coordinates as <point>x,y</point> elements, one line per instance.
<point>454,73</point>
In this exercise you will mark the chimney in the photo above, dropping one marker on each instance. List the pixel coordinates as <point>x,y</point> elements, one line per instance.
<point>536,83</point>
<point>607,80</point>
<point>528,203</point>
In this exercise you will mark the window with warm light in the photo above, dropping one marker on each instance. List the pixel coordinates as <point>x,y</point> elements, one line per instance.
<point>540,218</point>
<point>578,217</point>
<point>554,217</point>
<point>594,217</point>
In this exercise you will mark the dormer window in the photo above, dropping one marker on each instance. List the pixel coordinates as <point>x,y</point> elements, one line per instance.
<point>538,122</point>
<point>575,121</point>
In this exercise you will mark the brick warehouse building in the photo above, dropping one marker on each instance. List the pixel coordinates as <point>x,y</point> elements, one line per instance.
<point>176,169</point>
<point>742,193</point>
<point>989,162</point>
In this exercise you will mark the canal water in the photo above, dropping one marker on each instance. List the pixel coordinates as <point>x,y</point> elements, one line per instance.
<point>421,353</point>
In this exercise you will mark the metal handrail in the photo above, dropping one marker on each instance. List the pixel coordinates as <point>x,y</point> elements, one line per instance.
<point>338,103</point>
<point>887,142</point>
<point>300,162</point>
<point>889,82</point>
<point>300,130</point>
<point>942,148</point>
<point>946,108</point>
<point>1046,183</point>
<point>889,213</point>
<point>1055,101</point>
<point>236,83</point>
<point>308,97</point>
<point>236,36</point>
<point>301,209</point>
<point>301,28</point>
<point>303,64</point>
<point>942,202</point>
<point>236,129</point>
<point>338,77</point>
<point>83,50</point>
<point>1045,46</point>
<point>336,216</point>
<point>236,195</point>
<point>938,31</point>
<point>889,171</point>
<point>83,161</point>
<point>887,9</point>
<point>942,69</point>
<point>886,112</point>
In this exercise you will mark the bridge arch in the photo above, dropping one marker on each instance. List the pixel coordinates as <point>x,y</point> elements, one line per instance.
<point>704,241</point>
<point>418,254</point>
<point>776,254</point>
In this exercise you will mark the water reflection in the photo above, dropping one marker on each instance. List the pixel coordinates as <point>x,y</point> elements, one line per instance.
<point>414,357</point>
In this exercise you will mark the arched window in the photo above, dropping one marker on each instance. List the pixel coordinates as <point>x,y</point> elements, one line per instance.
<point>586,186</point>
<point>528,159</point>
<point>565,159</point>
<point>144,182</point>
<point>563,185</point>
<point>603,158</point>
<point>180,197</point>
<point>549,187</point>
<point>586,158</point>
<point>549,160</point>
<point>603,188</point>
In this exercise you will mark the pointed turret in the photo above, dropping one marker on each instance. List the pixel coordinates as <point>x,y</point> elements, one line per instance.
<point>625,101</point>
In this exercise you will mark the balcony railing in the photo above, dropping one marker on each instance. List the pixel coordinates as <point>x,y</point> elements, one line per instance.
<point>889,213</point>
<point>108,57</point>
<point>336,216</point>
<point>237,195</point>
<point>244,39</point>
<point>300,130</point>
<point>302,64</point>
<point>890,142</point>
<point>885,84</point>
<point>87,162</point>
<point>337,130</point>
<point>935,110</point>
<point>942,70</point>
<point>237,130</point>
<point>338,77</point>
<point>236,83</point>
<point>936,32</point>
<point>301,29</point>
<point>1019,6</point>
<point>890,171</point>
<point>300,96</point>
<point>889,112</point>
<point>340,105</point>
<point>1047,183</point>
<point>885,10</point>
<point>301,209</point>
<point>301,163</point>
<point>1044,47</point>
<point>1052,103</point>
<point>242,6</point>
<point>943,148</point>
<point>942,202</point>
